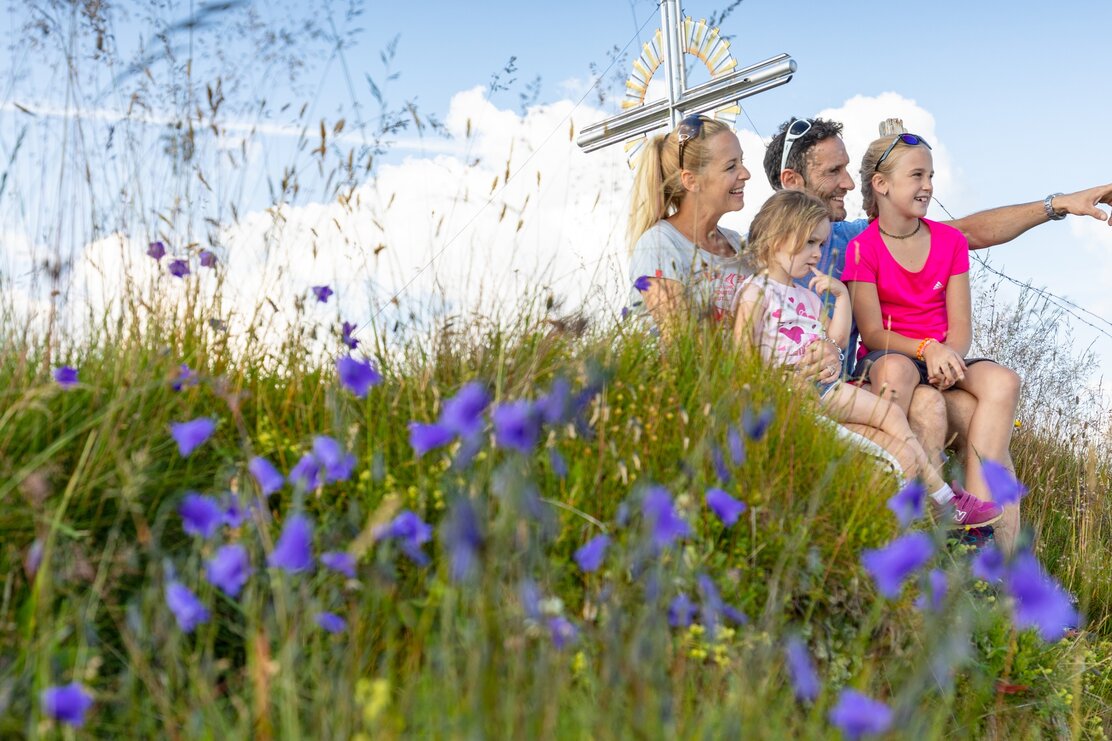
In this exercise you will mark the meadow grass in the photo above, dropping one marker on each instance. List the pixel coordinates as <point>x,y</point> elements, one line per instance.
<point>92,474</point>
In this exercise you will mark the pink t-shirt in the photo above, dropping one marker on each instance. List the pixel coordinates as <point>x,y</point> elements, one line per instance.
<point>912,304</point>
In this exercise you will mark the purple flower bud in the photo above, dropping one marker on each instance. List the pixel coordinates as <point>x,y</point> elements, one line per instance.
<point>65,376</point>
<point>208,259</point>
<point>187,609</point>
<point>157,250</point>
<point>234,512</point>
<point>1003,484</point>
<point>178,268</point>
<point>294,550</point>
<point>331,622</point>
<point>589,557</point>
<point>642,283</point>
<point>228,569</point>
<point>907,503</point>
<point>724,506</point>
<point>346,336</point>
<point>721,470</point>
<point>322,293</point>
<point>266,475</point>
<point>857,715</point>
<point>33,560</point>
<point>200,515</point>
<point>189,435</point>
<point>67,703</point>
<point>340,562</point>
<point>357,376</point>
<point>891,565</point>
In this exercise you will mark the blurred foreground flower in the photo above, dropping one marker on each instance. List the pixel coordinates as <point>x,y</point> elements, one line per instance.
<point>517,425</point>
<point>857,715</point>
<point>724,506</point>
<point>178,268</point>
<point>185,377</point>
<point>589,556</point>
<point>305,474</point>
<point>805,680</point>
<point>411,532</point>
<point>462,416</point>
<point>339,561</point>
<point>229,569</point>
<point>189,435</point>
<point>65,376</point>
<point>562,631</point>
<point>989,565</point>
<point>346,336</point>
<point>907,503</point>
<point>294,550</point>
<point>756,425</point>
<point>1039,601</point>
<point>331,622</point>
<point>665,525</point>
<point>266,475</point>
<point>187,609</point>
<point>891,565</point>
<point>642,283</point>
<point>356,375</point>
<point>67,703</point>
<point>681,611</point>
<point>462,539</point>
<point>934,591</point>
<point>735,443</point>
<point>200,515</point>
<point>322,293</point>
<point>1002,483</point>
<point>337,464</point>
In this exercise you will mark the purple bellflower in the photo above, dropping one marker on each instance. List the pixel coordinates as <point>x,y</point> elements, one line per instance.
<point>67,703</point>
<point>721,470</point>
<point>665,525</point>
<point>642,283</point>
<point>517,425</point>
<point>190,435</point>
<point>65,376</point>
<point>178,268</point>
<point>208,259</point>
<point>907,503</point>
<point>337,464</point>
<point>891,565</point>
<point>200,515</point>
<point>463,413</point>
<point>735,443</point>
<point>462,539</point>
<point>756,425</point>
<point>322,293</point>
<point>306,473</point>
<point>341,562</point>
<point>934,592</point>
<point>1003,484</point>
<point>1039,602</point>
<point>681,611</point>
<point>411,532</point>
<point>187,609</point>
<point>185,377</point>
<point>858,715</point>
<point>294,550</point>
<point>426,437</point>
<point>266,475</point>
<point>346,335</point>
<point>357,376</point>
<point>724,506</point>
<point>331,622</point>
<point>562,631</point>
<point>989,565</point>
<point>805,680</point>
<point>234,511</point>
<point>228,569</point>
<point>590,556</point>
<point>157,250</point>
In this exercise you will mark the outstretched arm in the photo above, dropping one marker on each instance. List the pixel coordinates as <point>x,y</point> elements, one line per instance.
<point>999,225</point>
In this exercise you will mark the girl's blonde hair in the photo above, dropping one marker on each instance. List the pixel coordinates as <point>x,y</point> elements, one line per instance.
<point>875,151</point>
<point>657,190</point>
<point>787,216</point>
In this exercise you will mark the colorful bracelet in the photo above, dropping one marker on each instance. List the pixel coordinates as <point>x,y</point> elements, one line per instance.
<point>923,346</point>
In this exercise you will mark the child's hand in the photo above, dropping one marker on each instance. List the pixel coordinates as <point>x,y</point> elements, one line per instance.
<point>944,366</point>
<point>823,283</point>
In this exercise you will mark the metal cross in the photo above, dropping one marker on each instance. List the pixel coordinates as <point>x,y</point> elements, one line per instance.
<point>682,101</point>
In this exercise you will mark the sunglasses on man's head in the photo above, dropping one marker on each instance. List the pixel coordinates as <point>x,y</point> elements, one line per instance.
<point>910,140</point>
<point>688,129</point>
<point>796,130</point>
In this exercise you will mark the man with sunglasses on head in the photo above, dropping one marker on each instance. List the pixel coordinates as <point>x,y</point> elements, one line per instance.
<point>809,155</point>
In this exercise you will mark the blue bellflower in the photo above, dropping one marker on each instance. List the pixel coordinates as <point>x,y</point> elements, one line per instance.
<point>858,715</point>
<point>266,475</point>
<point>590,556</point>
<point>185,377</point>
<point>178,268</point>
<point>341,562</point>
<point>426,437</point>
<point>157,250</point>
<point>665,525</point>
<point>891,565</point>
<point>208,259</point>
<point>1003,484</point>
<point>294,550</point>
<point>463,413</point>
<point>65,376</point>
<point>462,539</point>
<point>411,532</point>
<point>724,506</point>
<point>322,293</point>
<point>305,474</point>
<point>562,631</point>
<point>989,564</point>
<point>756,425</point>
<point>681,611</point>
<point>228,569</point>
<point>337,464</point>
<point>642,283</point>
<point>200,515</point>
<point>190,435</point>
<point>1039,602</point>
<point>187,609</point>
<point>516,425</point>
<point>735,443</point>
<point>357,376</point>
<point>907,503</point>
<point>347,337</point>
<point>67,703</point>
<point>805,680</point>
<point>934,592</point>
<point>331,622</point>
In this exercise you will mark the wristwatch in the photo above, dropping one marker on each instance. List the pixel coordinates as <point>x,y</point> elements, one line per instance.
<point>1049,208</point>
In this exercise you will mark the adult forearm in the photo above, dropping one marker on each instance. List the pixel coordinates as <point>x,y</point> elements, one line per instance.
<point>999,225</point>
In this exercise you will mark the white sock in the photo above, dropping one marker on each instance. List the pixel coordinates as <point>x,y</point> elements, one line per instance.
<point>943,495</point>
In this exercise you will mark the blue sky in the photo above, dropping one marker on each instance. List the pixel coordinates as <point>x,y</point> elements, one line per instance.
<point>1011,95</point>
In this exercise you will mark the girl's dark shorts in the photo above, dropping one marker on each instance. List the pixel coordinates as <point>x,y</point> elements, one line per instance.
<point>865,364</point>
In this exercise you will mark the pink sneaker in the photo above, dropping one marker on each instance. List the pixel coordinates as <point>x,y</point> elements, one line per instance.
<point>967,511</point>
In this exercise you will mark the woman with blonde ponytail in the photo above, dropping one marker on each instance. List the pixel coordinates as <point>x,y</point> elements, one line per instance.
<point>680,258</point>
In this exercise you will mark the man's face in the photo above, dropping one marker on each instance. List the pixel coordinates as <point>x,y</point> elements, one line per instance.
<point>827,177</point>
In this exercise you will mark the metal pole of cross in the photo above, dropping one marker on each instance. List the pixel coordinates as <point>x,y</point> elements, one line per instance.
<point>676,37</point>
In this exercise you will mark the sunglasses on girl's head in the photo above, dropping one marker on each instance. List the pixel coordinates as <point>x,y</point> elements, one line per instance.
<point>688,129</point>
<point>909,139</point>
<point>796,130</point>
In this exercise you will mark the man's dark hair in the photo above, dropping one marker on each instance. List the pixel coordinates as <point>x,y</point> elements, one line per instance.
<point>821,130</point>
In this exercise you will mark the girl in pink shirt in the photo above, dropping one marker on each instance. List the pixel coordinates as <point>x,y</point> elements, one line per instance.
<point>781,319</point>
<point>909,279</point>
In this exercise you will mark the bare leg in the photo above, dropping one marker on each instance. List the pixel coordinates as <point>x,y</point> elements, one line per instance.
<point>894,377</point>
<point>927,417</point>
<point>989,435</point>
<point>848,403</point>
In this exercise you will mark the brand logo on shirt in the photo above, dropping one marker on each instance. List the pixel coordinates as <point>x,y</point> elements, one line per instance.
<point>938,285</point>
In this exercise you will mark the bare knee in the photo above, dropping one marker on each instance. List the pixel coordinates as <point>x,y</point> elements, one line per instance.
<point>894,376</point>
<point>927,417</point>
